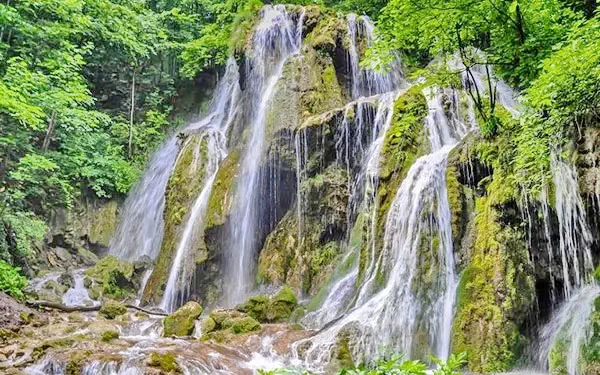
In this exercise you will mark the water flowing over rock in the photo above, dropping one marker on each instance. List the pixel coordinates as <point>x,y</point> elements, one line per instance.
<point>394,313</point>
<point>562,339</point>
<point>277,36</point>
<point>575,236</point>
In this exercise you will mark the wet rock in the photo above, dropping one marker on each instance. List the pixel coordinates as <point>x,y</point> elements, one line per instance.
<point>111,309</point>
<point>143,263</point>
<point>165,362</point>
<point>87,257</point>
<point>113,276</point>
<point>181,322</point>
<point>270,309</point>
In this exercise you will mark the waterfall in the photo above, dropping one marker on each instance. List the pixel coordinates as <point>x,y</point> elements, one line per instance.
<point>277,36</point>
<point>212,129</point>
<point>568,329</point>
<point>575,236</point>
<point>78,294</point>
<point>177,287</point>
<point>141,229</point>
<point>366,85</point>
<point>391,315</point>
<point>367,82</point>
<point>363,199</point>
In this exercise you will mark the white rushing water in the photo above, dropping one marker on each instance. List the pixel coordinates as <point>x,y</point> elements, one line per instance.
<point>141,229</point>
<point>78,294</point>
<point>390,316</point>
<point>568,330</point>
<point>277,36</point>
<point>575,236</point>
<point>367,82</point>
<point>212,146</point>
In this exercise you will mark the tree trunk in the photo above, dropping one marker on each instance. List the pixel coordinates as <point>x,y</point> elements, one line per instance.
<point>131,112</point>
<point>2,31</point>
<point>58,306</point>
<point>49,132</point>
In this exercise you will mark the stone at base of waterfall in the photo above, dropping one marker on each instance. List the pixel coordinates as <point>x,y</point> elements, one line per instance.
<point>163,363</point>
<point>111,309</point>
<point>271,309</point>
<point>181,322</point>
<point>222,325</point>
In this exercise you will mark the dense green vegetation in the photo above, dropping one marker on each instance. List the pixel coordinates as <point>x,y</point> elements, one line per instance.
<point>89,88</point>
<point>392,364</point>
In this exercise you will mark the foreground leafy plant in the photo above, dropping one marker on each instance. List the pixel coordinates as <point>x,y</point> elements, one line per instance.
<point>11,280</point>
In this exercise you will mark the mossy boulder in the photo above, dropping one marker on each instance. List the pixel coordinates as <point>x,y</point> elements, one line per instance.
<point>181,322</point>
<point>112,277</point>
<point>208,325</point>
<point>282,304</point>
<point>165,362</point>
<point>270,309</point>
<point>222,325</point>
<point>111,309</point>
<point>109,335</point>
<point>244,325</point>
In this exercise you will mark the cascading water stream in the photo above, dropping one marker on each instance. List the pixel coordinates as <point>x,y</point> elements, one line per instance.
<point>364,198</point>
<point>140,231</point>
<point>575,235</point>
<point>568,329</point>
<point>391,315</point>
<point>362,188</point>
<point>277,37</point>
<point>213,129</point>
<point>367,82</point>
<point>177,287</point>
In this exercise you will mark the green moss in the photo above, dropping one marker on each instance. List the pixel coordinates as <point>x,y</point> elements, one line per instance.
<point>328,33</point>
<point>112,276</point>
<point>109,335</point>
<point>208,325</point>
<point>76,362</point>
<point>166,362</point>
<point>267,309</point>
<point>181,322</point>
<point>495,294</point>
<point>111,309</point>
<point>219,203</point>
<point>244,325</point>
<point>183,187</point>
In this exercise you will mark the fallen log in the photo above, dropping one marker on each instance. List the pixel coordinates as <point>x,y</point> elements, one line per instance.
<point>58,306</point>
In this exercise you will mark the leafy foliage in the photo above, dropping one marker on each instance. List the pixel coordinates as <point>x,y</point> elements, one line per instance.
<point>393,364</point>
<point>11,280</point>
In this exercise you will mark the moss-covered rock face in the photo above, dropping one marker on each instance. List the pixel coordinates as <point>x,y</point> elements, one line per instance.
<point>183,187</point>
<point>181,322</point>
<point>111,309</point>
<point>495,294</point>
<point>305,265</point>
<point>111,277</point>
<point>270,309</point>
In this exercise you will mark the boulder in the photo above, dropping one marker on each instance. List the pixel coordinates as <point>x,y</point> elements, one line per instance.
<point>111,309</point>
<point>181,322</point>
